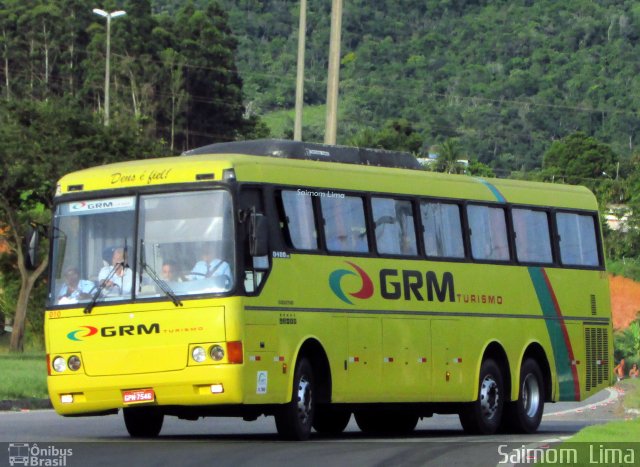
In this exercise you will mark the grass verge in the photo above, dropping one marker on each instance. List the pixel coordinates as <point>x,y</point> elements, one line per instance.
<point>23,376</point>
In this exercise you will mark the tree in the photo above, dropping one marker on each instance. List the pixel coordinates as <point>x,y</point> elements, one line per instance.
<point>449,155</point>
<point>396,135</point>
<point>580,159</point>
<point>39,142</point>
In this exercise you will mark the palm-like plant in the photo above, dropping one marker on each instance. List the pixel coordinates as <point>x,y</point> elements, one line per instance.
<point>448,156</point>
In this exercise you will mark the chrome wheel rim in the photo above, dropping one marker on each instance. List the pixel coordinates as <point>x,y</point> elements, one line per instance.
<point>304,400</point>
<point>530,395</point>
<point>489,397</point>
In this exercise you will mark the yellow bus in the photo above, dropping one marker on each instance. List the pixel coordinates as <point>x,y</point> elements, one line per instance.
<point>311,283</point>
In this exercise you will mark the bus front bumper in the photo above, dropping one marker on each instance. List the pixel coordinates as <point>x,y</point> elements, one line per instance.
<point>79,394</point>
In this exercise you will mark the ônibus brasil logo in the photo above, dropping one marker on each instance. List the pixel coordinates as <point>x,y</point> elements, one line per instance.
<point>335,282</point>
<point>80,334</point>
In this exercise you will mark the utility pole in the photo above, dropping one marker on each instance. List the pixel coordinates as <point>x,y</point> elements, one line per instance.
<point>331,126</point>
<point>302,32</point>
<point>104,14</point>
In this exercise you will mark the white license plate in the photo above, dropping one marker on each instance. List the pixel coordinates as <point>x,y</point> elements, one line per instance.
<point>138,395</point>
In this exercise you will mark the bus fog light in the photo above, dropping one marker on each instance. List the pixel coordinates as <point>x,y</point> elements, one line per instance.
<point>59,364</point>
<point>217,389</point>
<point>74,363</point>
<point>66,398</point>
<point>216,352</point>
<point>199,354</point>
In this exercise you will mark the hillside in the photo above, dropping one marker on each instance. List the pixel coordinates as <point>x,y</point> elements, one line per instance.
<point>625,300</point>
<point>506,77</point>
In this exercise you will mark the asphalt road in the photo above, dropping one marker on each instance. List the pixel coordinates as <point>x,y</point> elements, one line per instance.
<point>227,441</point>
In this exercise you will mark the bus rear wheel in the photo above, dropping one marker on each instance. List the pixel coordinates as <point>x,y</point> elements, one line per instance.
<point>330,420</point>
<point>294,419</point>
<point>525,414</point>
<point>484,415</point>
<point>143,422</point>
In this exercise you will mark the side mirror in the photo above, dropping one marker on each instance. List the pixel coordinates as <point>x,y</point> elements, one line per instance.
<point>258,235</point>
<point>32,245</point>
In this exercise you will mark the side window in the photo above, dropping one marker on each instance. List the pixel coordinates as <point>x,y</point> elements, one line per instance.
<point>533,242</point>
<point>299,223</point>
<point>578,245</point>
<point>344,224</point>
<point>442,230</point>
<point>394,227</point>
<point>488,232</point>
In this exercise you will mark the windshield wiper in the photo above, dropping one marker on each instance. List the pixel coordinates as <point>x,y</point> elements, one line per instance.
<point>162,284</point>
<point>100,287</point>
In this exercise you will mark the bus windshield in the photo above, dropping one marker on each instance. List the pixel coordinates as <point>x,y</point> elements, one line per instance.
<point>183,245</point>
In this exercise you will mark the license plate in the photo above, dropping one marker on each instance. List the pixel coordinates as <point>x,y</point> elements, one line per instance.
<point>138,395</point>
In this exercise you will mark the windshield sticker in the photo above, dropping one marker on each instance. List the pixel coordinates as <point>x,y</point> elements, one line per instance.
<point>261,383</point>
<point>102,205</point>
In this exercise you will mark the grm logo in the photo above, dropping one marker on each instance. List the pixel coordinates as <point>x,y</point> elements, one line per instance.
<point>77,335</point>
<point>335,282</point>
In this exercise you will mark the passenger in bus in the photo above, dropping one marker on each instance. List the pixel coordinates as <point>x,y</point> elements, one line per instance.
<point>74,289</point>
<point>118,277</point>
<point>169,272</point>
<point>211,267</point>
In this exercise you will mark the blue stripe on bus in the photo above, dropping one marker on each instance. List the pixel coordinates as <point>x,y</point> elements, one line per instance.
<point>493,189</point>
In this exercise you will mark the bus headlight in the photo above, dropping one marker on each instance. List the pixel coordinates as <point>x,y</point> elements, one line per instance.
<point>74,363</point>
<point>216,352</point>
<point>198,354</point>
<point>59,364</point>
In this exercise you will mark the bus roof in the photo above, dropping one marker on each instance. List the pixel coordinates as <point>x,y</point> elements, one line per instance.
<point>312,151</point>
<point>297,165</point>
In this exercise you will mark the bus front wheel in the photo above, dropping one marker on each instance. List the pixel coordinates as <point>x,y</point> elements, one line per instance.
<point>143,422</point>
<point>524,415</point>
<point>483,416</point>
<point>294,419</point>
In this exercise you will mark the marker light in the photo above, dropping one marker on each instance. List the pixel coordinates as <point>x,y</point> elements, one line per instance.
<point>217,389</point>
<point>59,364</point>
<point>74,363</point>
<point>216,352</point>
<point>199,354</point>
<point>66,398</point>
<point>234,352</point>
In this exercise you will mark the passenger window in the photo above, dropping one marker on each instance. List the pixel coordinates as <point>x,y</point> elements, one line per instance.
<point>578,246</point>
<point>344,223</point>
<point>299,220</point>
<point>394,227</point>
<point>442,230</point>
<point>533,242</point>
<point>488,232</point>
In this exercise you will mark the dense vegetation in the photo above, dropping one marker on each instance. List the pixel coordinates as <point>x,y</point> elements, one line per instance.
<point>540,89</point>
<point>506,77</point>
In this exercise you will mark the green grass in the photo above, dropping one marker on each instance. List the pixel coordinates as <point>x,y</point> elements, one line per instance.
<point>22,376</point>
<point>280,122</point>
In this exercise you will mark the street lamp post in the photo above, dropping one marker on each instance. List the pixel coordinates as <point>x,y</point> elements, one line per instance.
<point>104,14</point>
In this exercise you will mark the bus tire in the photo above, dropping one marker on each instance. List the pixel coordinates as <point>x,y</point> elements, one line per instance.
<point>386,422</point>
<point>294,419</point>
<point>525,414</point>
<point>143,422</point>
<point>330,420</point>
<point>483,416</point>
